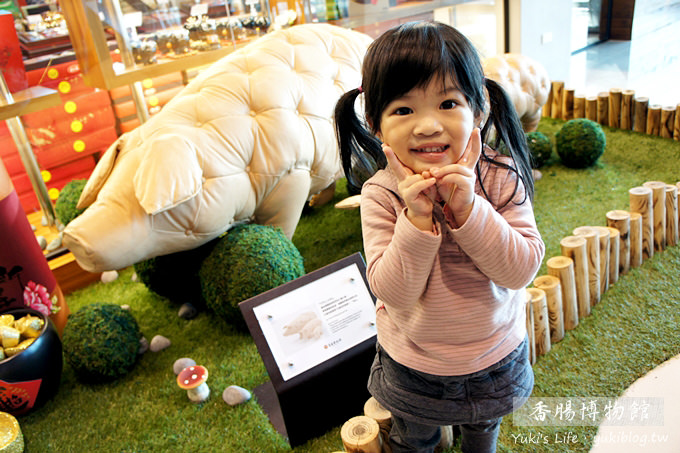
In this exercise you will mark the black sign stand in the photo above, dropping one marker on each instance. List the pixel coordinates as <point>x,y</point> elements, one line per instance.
<point>325,396</point>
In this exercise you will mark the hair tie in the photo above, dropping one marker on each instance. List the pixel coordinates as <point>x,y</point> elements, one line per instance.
<point>361,90</point>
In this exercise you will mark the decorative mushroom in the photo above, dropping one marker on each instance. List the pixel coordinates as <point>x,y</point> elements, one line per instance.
<point>192,379</point>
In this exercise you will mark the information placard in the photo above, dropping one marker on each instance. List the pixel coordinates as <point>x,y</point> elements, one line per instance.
<point>316,336</point>
<point>313,323</point>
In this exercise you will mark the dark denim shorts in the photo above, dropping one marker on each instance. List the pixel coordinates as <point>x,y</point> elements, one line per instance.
<point>452,400</point>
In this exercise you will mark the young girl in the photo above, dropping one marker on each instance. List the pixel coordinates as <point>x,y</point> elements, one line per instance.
<point>449,235</point>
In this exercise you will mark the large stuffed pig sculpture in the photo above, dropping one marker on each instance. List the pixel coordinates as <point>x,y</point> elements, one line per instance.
<point>250,139</point>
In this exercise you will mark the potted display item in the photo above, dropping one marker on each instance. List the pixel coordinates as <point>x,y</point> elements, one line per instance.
<point>31,364</point>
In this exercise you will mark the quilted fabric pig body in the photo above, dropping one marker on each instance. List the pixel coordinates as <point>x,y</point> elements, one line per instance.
<point>250,139</point>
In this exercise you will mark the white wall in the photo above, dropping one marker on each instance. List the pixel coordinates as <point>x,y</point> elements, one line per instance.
<point>541,30</point>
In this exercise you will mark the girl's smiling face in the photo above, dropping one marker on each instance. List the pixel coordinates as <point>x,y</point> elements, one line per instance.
<point>428,127</point>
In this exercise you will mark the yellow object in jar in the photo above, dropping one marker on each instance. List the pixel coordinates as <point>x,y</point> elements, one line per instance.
<point>7,320</point>
<point>10,336</point>
<point>29,326</point>
<point>20,347</point>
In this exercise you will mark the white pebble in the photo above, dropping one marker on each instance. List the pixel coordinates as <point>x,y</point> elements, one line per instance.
<point>158,343</point>
<point>134,277</point>
<point>42,242</point>
<point>44,221</point>
<point>234,395</point>
<point>54,244</point>
<point>182,363</point>
<point>143,345</point>
<point>109,276</point>
<point>125,307</point>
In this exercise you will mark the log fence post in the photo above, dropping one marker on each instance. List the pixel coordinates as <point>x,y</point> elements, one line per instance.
<point>614,253</point>
<point>636,240</point>
<point>615,95</point>
<point>553,295</point>
<point>627,109</point>
<point>539,306</point>
<point>640,122</point>
<point>641,201</point>
<point>592,237</point>
<point>658,189</point>
<point>556,107</point>
<point>574,247</point>
<point>620,220</point>
<point>562,267</point>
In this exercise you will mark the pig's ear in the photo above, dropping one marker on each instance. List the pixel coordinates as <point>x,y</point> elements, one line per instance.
<point>99,175</point>
<point>169,174</point>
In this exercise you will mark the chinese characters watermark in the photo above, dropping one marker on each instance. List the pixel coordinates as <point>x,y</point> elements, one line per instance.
<point>589,411</point>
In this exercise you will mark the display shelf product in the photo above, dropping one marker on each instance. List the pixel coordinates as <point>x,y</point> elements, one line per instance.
<point>158,37</point>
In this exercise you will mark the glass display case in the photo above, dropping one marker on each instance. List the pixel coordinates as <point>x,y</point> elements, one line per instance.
<point>374,16</point>
<point>119,42</point>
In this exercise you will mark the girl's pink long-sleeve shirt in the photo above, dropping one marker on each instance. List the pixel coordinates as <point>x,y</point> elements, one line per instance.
<point>450,302</point>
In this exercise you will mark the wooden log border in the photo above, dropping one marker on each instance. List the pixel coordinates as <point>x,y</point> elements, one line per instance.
<point>594,258</point>
<point>616,108</point>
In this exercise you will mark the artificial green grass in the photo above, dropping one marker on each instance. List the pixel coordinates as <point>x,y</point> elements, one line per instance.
<point>632,329</point>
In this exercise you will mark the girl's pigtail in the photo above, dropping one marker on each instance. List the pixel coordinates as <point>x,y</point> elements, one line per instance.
<point>508,128</point>
<point>360,150</point>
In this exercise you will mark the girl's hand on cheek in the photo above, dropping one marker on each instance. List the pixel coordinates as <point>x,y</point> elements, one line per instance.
<point>418,191</point>
<point>456,182</point>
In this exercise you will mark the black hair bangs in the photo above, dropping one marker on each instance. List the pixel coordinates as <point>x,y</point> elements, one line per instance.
<point>411,56</point>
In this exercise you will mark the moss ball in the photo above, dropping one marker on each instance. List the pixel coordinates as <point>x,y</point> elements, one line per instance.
<point>65,206</point>
<point>580,142</point>
<point>540,147</point>
<point>101,342</point>
<point>247,261</point>
<point>175,276</point>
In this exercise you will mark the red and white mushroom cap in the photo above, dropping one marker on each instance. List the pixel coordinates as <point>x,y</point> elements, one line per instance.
<point>192,376</point>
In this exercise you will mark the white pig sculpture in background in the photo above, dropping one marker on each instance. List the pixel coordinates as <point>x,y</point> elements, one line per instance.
<point>525,80</point>
<point>250,139</point>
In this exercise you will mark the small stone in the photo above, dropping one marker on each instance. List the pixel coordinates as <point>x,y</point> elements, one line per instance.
<point>109,276</point>
<point>54,244</point>
<point>143,345</point>
<point>182,363</point>
<point>234,395</point>
<point>44,221</point>
<point>187,311</point>
<point>134,277</point>
<point>42,242</point>
<point>125,307</point>
<point>34,228</point>
<point>158,343</point>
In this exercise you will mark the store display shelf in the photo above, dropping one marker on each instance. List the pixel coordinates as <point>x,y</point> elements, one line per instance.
<point>30,100</point>
<point>167,66</point>
<point>360,16</point>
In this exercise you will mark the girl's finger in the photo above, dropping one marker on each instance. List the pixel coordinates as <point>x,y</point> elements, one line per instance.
<point>400,171</point>
<point>473,150</point>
